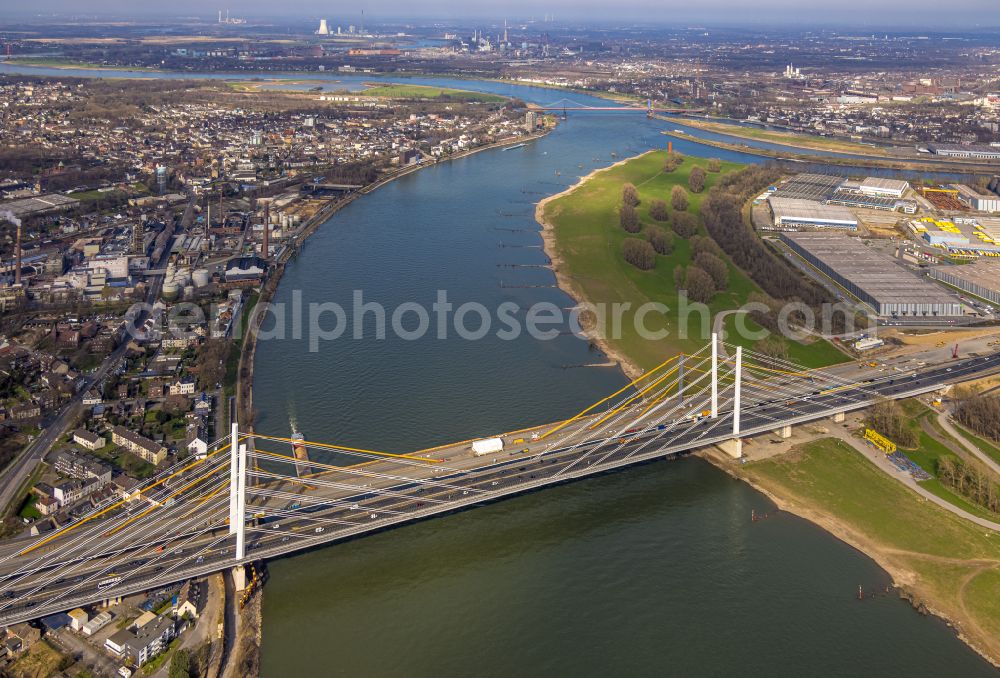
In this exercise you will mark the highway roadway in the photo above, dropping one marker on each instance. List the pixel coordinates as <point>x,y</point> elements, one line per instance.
<point>188,537</point>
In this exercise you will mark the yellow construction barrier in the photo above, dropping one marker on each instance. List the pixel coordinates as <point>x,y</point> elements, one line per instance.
<point>880,441</point>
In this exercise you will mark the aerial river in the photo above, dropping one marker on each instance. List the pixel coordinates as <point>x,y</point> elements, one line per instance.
<point>656,570</point>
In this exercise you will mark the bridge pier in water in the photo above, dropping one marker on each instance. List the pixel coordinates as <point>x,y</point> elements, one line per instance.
<point>734,446</point>
<point>239,577</point>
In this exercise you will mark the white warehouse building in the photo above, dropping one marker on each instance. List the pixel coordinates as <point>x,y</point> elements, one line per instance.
<point>893,188</point>
<point>795,212</point>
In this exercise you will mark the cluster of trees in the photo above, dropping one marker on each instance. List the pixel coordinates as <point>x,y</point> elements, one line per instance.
<point>722,214</point>
<point>359,172</point>
<point>696,282</point>
<point>714,165</point>
<point>696,180</point>
<point>662,242</point>
<point>715,267</point>
<point>630,196</point>
<point>970,480</point>
<point>679,199</point>
<point>706,275</point>
<point>639,253</point>
<point>629,218</point>
<point>888,418</point>
<point>673,161</point>
<point>980,413</point>
<point>658,210</point>
<point>210,365</point>
<point>773,347</point>
<point>180,665</point>
<point>684,224</point>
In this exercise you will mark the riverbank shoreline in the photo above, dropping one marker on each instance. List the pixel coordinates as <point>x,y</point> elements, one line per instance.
<point>874,163</point>
<point>565,282</point>
<point>248,350</point>
<point>903,580</point>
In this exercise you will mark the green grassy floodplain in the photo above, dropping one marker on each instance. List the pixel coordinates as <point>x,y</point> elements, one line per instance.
<point>403,91</point>
<point>941,560</point>
<point>791,139</point>
<point>62,62</point>
<point>989,448</point>
<point>588,241</point>
<point>930,450</point>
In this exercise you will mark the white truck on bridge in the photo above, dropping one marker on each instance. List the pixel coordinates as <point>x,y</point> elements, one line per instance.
<point>487,446</point>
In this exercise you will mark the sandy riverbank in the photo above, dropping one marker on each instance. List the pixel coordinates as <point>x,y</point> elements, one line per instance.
<point>566,283</point>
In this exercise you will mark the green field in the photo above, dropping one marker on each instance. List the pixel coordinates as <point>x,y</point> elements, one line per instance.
<point>954,563</point>
<point>398,91</point>
<point>930,450</point>
<point>61,62</point>
<point>792,139</point>
<point>989,448</point>
<point>808,353</point>
<point>588,240</point>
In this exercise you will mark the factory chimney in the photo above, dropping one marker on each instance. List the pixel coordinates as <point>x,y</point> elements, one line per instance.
<point>17,256</point>
<point>267,229</point>
<point>208,213</point>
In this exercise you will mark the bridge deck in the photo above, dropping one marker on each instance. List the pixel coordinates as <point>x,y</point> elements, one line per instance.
<point>340,502</point>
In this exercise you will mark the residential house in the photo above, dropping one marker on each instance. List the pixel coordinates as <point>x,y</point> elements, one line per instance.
<point>88,439</point>
<point>144,448</point>
<point>126,486</point>
<point>24,636</point>
<point>182,387</point>
<point>191,599</point>
<point>80,466</point>
<point>142,643</point>
<point>70,491</point>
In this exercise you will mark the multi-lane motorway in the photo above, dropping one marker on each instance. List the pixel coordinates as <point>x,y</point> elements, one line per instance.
<point>188,537</point>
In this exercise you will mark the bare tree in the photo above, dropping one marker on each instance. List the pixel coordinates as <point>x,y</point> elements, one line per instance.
<point>639,253</point>
<point>658,210</point>
<point>679,199</point>
<point>696,180</point>
<point>629,218</point>
<point>630,196</point>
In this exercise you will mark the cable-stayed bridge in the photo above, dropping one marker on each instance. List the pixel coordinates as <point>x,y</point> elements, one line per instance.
<point>568,105</point>
<point>255,496</point>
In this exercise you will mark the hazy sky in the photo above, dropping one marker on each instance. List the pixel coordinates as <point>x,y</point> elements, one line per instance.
<point>929,13</point>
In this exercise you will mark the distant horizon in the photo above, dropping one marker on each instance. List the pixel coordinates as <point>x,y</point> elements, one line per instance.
<point>885,15</point>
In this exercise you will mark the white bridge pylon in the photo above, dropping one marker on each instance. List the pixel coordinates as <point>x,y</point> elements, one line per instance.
<point>247,499</point>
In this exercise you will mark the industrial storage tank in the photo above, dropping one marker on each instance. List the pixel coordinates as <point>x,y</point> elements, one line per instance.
<point>189,291</point>
<point>200,277</point>
<point>170,290</point>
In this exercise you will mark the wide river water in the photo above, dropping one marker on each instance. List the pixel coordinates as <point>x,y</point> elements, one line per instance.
<point>656,570</point>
